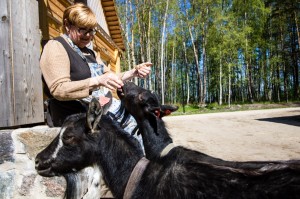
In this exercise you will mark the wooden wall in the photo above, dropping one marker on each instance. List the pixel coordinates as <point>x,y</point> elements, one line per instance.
<point>24,25</point>
<point>96,6</point>
<point>20,78</point>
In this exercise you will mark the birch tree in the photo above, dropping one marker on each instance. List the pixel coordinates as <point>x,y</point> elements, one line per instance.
<point>163,54</point>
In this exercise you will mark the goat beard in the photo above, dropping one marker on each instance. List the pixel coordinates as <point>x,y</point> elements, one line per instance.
<point>73,186</point>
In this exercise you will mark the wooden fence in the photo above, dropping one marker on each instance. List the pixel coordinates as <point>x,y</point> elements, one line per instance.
<point>21,98</point>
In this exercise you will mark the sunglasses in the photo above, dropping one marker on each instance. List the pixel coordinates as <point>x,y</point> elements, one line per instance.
<point>84,31</point>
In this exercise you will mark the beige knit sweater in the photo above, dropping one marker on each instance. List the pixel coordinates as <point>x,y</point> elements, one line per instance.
<point>55,67</point>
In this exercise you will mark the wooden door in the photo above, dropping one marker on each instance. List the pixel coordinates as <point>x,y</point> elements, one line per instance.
<point>21,99</point>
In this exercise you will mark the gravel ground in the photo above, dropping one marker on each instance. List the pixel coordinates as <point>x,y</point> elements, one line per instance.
<point>272,134</point>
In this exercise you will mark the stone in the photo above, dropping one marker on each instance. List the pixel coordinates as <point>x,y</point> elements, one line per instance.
<point>55,186</point>
<point>18,177</point>
<point>34,141</point>
<point>6,147</point>
<point>27,184</point>
<point>7,181</point>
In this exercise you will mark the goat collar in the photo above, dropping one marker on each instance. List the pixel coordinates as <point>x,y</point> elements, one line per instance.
<point>135,177</point>
<point>167,149</point>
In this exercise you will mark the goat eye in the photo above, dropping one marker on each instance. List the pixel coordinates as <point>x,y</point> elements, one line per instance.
<point>68,138</point>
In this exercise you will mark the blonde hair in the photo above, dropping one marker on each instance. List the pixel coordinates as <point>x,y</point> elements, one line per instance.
<point>79,15</point>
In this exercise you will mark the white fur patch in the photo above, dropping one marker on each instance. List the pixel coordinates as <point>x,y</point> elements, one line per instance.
<point>60,143</point>
<point>94,181</point>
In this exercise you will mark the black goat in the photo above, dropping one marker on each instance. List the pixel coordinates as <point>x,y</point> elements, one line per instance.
<point>92,139</point>
<point>223,179</point>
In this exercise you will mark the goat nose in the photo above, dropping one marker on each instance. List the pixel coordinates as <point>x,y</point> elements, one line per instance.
<point>37,161</point>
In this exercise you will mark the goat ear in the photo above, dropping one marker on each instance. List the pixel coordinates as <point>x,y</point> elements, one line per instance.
<point>94,114</point>
<point>167,110</point>
<point>106,106</point>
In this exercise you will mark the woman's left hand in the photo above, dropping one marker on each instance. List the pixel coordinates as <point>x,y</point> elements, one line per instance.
<point>143,70</point>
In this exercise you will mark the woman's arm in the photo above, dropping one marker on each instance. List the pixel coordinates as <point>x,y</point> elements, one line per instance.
<point>112,81</point>
<point>55,67</point>
<point>142,71</point>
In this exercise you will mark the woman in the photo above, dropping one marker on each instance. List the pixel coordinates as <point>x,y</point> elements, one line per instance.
<point>72,72</point>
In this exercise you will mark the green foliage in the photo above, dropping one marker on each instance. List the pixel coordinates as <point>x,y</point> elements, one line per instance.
<point>247,50</point>
<point>213,106</point>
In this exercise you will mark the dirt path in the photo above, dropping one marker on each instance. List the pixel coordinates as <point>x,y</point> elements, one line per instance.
<point>248,135</point>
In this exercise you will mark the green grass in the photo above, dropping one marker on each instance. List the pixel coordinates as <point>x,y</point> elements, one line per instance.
<point>215,107</point>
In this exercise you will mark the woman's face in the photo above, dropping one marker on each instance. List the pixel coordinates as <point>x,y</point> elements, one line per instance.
<point>81,36</point>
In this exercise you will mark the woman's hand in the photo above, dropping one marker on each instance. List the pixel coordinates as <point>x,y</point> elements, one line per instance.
<point>110,80</point>
<point>143,70</point>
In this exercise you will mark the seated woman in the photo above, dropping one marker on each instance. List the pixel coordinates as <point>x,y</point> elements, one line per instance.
<point>72,72</point>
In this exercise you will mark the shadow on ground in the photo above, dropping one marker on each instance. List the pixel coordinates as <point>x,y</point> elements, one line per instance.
<point>289,120</point>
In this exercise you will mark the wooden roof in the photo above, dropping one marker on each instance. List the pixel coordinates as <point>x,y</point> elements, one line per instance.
<point>114,25</point>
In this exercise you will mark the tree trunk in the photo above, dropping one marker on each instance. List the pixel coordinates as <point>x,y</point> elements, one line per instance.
<point>182,89</point>
<point>132,39</point>
<point>149,42</point>
<point>197,66</point>
<point>175,79</point>
<point>296,67</point>
<point>187,74</point>
<point>278,83</point>
<point>229,86</point>
<point>284,66</point>
<point>248,68</point>
<point>127,32</point>
<point>220,81</point>
<point>173,91</point>
<point>162,54</point>
<point>140,15</point>
<point>141,36</point>
<point>204,42</point>
<point>297,28</point>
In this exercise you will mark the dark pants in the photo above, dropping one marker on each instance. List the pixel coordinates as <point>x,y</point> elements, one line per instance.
<point>58,111</point>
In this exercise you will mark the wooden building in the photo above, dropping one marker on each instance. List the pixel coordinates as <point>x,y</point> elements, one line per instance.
<point>25,26</point>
